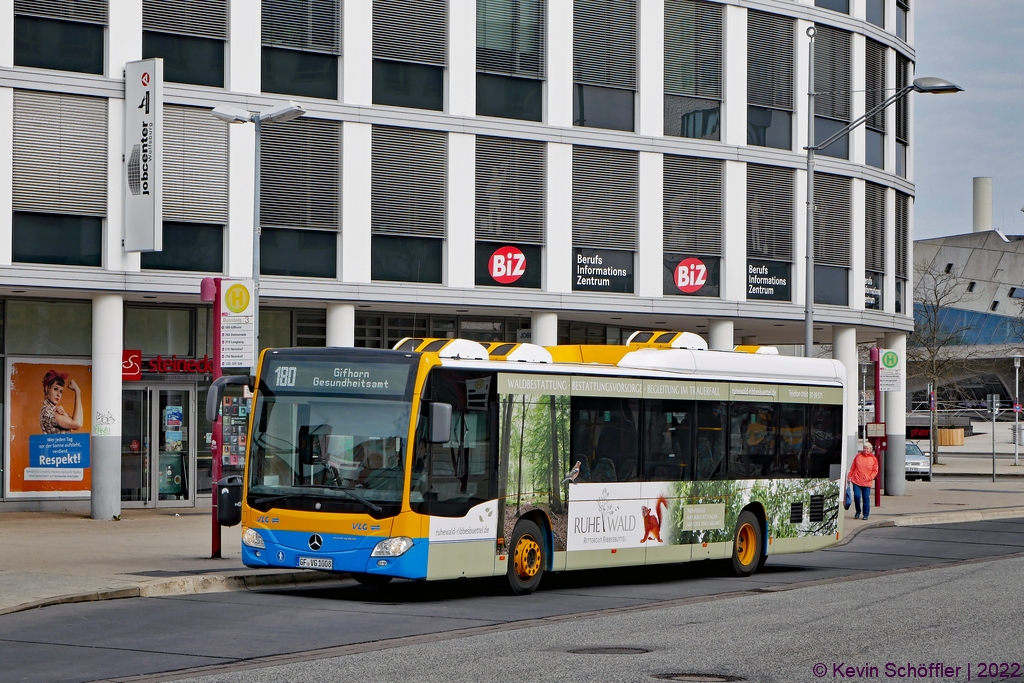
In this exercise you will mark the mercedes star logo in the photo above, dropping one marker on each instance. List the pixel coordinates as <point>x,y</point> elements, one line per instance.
<point>315,542</point>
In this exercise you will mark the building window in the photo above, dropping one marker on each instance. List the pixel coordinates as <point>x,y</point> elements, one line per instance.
<point>195,167</point>
<point>189,36</point>
<point>876,12</point>
<point>299,253</point>
<point>301,46</point>
<point>833,220</point>
<point>159,331</point>
<point>834,5</point>
<point>874,94</point>
<point>831,285</point>
<point>188,246</point>
<point>903,67</point>
<point>406,259</point>
<point>48,328</point>
<point>63,45</point>
<point>409,53</point>
<point>408,203</point>
<point>604,63</point>
<point>770,80</point>
<point>510,58</point>
<point>692,226</point>
<point>902,10</point>
<point>57,239</point>
<point>874,228</point>
<point>693,69</point>
<point>832,83</point>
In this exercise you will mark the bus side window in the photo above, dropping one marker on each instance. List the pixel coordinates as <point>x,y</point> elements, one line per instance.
<point>605,438</point>
<point>710,452</point>
<point>668,440</point>
<point>825,446</point>
<point>792,438</point>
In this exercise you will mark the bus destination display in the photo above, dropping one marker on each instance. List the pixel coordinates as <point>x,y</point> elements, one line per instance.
<point>380,379</point>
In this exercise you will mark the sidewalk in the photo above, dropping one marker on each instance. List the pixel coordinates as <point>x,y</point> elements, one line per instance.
<point>51,558</point>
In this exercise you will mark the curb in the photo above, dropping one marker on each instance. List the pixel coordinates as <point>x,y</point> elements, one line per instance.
<point>936,518</point>
<point>186,585</point>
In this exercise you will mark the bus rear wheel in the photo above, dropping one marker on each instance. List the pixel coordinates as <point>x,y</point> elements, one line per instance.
<point>747,544</point>
<point>526,558</point>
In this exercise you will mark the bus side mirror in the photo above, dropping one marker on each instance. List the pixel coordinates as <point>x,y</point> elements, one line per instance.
<point>440,422</point>
<point>216,392</point>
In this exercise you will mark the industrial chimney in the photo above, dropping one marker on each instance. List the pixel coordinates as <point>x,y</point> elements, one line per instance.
<point>982,204</point>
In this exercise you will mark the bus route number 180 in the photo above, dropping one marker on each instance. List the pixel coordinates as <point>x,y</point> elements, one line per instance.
<point>284,376</point>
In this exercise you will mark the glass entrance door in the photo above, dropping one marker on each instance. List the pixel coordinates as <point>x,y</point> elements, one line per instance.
<point>158,455</point>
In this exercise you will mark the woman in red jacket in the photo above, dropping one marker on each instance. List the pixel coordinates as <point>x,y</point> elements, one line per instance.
<point>862,475</point>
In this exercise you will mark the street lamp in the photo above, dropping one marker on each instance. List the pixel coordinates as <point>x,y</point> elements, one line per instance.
<point>1016,413</point>
<point>928,84</point>
<point>280,114</point>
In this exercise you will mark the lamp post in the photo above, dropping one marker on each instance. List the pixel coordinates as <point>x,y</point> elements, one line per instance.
<point>1016,413</point>
<point>935,86</point>
<point>280,114</point>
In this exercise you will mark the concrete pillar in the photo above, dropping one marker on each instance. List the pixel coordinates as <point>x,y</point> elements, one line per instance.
<point>105,456</point>
<point>558,266</point>
<point>720,335</point>
<point>241,170</point>
<point>544,328</point>
<point>355,210</point>
<point>460,242</point>
<point>733,275</point>
<point>6,169</point>
<point>651,69</point>
<point>734,107</point>
<point>245,48</point>
<point>461,69</point>
<point>651,235</point>
<point>844,350</point>
<point>124,36</point>
<point>895,475</point>
<point>341,324</point>
<point>7,33</point>
<point>357,63</point>
<point>558,93</point>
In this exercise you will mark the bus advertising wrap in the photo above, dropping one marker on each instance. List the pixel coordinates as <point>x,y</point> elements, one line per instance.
<point>50,419</point>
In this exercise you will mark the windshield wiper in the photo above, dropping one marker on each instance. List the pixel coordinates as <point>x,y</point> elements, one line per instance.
<point>355,496</point>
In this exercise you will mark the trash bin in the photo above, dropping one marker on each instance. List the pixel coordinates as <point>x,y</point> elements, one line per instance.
<point>229,500</point>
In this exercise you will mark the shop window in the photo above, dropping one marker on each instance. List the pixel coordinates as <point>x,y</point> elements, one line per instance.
<point>158,331</point>
<point>369,331</point>
<point>187,59</point>
<point>507,97</point>
<point>831,285</point>
<point>405,259</point>
<point>300,253</point>
<point>294,72</point>
<point>61,45</point>
<point>57,239</point>
<point>400,84</point>
<point>188,246</point>
<point>275,329</point>
<point>596,107</point>
<point>605,438</point>
<point>49,328</point>
<point>769,127</point>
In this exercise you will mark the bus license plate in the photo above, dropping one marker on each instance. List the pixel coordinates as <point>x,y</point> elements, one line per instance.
<point>316,563</point>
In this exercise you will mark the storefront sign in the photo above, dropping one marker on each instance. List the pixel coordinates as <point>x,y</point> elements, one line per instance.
<point>873,291</point>
<point>237,325</point>
<point>690,275</point>
<point>201,366</point>
<point>131,365</point>
<point>602,270</point>
<point>768,280</point>
<point>49,420</point>
<point>143,145</point>
<point>509,265</point>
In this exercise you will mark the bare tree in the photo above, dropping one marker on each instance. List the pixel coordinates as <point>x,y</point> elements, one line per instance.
<point>935,350</point>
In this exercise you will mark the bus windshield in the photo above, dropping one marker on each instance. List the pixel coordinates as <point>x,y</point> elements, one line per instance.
<point>331,435</point>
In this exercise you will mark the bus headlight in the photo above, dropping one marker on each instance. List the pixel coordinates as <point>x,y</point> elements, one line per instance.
<point>252,538</point>
<point>392,547</point>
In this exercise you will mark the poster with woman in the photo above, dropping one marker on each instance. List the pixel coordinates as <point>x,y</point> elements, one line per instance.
<point>49,422</point>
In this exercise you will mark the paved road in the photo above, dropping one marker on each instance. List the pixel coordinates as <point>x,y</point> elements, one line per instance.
<point>143,636</point>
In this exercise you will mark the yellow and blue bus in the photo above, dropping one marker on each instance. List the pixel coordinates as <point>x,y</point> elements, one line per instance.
<point>444,459</point>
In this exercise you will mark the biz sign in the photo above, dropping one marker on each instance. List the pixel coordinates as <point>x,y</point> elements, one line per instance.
<point>690,275</point>
<point>237,324</point>
<point>143,157</point>
<point>508,265</point>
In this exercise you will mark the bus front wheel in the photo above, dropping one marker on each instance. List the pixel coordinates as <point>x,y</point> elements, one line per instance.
<point>747,544</point>
<point>526,558</point>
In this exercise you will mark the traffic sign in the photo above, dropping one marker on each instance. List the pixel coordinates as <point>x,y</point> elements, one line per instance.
<point>1016,407</point>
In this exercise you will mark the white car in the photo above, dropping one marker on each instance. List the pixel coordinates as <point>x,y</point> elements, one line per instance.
<point>919,464</point>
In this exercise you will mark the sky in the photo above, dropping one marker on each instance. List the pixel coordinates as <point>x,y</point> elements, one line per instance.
<point>979,45</point>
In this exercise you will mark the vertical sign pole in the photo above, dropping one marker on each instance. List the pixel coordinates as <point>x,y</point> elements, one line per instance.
<point>218,425</point>
<point>876,358</point>
<point>995,409</point>
<point>932,423</point>
<point>1016,410</point>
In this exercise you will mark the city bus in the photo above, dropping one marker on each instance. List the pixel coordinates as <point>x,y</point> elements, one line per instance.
<point>446,459</point>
